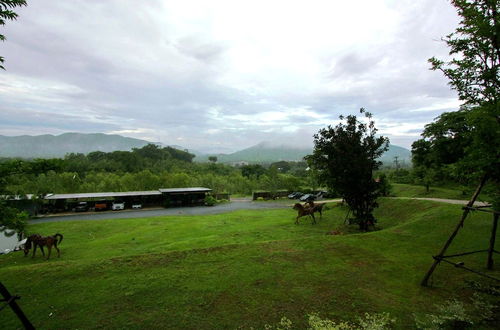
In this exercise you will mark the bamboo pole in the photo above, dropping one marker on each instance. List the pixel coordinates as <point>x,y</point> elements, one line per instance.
<point>437,259</point>
<point>492,241</point>
<point>11,301</point>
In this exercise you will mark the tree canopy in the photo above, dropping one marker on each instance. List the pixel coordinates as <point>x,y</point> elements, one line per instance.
<point>6,13</point>
<point>475,51</point>
<point>468,140</point>
<point>345,157</point>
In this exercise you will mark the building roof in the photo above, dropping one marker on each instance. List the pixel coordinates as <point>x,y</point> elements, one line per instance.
<point>127,193</point>
<point>184,190</point>
<point>103,194</point>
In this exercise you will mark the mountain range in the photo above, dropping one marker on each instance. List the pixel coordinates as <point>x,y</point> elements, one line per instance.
<point>47,146</point>
<point>266,152</point>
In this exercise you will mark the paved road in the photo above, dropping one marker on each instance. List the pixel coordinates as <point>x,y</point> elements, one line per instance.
<point>235,204</point>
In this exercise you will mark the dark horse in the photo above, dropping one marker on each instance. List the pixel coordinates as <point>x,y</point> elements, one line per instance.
<point>38,240</point>
<point>316,207</point>
<point>303,211</point>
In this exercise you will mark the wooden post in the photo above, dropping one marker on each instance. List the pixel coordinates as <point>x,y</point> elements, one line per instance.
<point>11,300</point>
<point>437,259</point>
<point>492,241</point>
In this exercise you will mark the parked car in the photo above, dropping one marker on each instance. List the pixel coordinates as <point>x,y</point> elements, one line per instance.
<point>118,206</point>
<point>307,198</point>
<point>101,206</point>
<point>82,207</point>
<point>137,206</point>
<point>321,194</point>
<point>295,195</point>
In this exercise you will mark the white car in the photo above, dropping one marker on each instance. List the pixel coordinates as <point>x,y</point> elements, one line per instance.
<point>137,206</point>
<point>118,206</point>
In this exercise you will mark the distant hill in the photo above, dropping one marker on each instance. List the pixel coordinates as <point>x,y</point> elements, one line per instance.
<point>46,146</point>
<point>265,152</point>
<point>403,154</point>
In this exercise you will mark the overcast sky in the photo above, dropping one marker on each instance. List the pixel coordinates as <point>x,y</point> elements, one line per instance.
<point>219,76</point>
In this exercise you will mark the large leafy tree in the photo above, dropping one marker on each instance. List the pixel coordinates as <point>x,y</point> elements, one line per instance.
<point>475,51</point>
<point>469,140</point>
<point>345,157</point>
<point>7,13</point>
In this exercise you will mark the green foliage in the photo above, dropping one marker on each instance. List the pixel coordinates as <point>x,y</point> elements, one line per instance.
<point>450,315</point>
<point>380,321</point>
<point>212,159</point>
<point>11,218</point>
<point>453,314</point>
<point>345,157</point>
<point>254,170</point>
<point>469,139</point>
<point>6,13</point>
<point>474,48</point>
<point>210,200</point>
<point>384,186</point>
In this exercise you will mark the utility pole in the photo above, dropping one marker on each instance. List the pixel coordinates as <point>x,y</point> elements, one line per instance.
<point>396,162</point>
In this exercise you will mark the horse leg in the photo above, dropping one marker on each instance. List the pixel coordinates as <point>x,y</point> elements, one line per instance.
<point>58,251</point>
<point>43,252</point>
<point>314,219</point>
<point>297,220</point>
<point>34,250</point>
<point>49,246</point>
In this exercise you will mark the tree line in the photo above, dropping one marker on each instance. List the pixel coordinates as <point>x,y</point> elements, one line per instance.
<point>147,168</point>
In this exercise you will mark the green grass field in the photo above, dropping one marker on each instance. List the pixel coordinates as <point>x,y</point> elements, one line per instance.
<point>243,269</point>
<point>407,190</point>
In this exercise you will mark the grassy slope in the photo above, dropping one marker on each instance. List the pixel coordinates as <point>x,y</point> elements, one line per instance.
<point>246,268</point>
<point>407,190</point>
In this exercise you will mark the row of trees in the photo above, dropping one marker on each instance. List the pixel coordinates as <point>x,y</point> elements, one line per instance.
<point>147,168</point>
<point>71,182</point>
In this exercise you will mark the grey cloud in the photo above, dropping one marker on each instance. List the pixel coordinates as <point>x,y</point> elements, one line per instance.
<point>199,49</point>
<point>172,90</point>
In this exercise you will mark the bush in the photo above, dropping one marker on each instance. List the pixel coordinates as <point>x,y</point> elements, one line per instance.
<point>451,314</point>
<point>378,321</point>
<point>384,186</point>
<point>210,200</point>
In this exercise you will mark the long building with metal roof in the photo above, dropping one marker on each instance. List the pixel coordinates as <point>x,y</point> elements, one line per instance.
<point>103,195</point>
<point>162,197</point>
<point>129,193</point>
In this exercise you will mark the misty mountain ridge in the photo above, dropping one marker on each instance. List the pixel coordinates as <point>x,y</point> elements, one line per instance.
<point>268,152</point>
<point>48,146</point>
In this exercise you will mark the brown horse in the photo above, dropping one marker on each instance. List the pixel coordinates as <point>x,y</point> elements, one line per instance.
<point>303,211</point>
<point>38,240</point>
<point>316,207</point>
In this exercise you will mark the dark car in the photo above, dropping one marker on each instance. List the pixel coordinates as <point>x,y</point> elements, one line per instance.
<point>307,198</point>
<point>321,194</point>
<point>82,207</point>
<point>295,195</point>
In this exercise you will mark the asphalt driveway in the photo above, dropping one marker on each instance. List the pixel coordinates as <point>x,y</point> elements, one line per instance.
<point>236,204</point>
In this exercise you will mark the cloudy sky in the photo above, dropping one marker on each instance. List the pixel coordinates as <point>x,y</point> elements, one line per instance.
<point>219,76</point>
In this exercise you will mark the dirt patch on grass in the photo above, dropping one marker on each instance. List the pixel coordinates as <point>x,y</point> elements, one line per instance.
<point>153,259</point>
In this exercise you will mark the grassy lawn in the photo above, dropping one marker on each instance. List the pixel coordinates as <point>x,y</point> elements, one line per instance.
<point>241,269</point>
<point>407,190</point>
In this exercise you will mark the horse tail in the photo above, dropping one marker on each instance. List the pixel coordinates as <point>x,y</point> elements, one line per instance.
<point>61,237</point>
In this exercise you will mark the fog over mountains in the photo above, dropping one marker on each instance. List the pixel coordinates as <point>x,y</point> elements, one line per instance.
<point>49,146</point>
